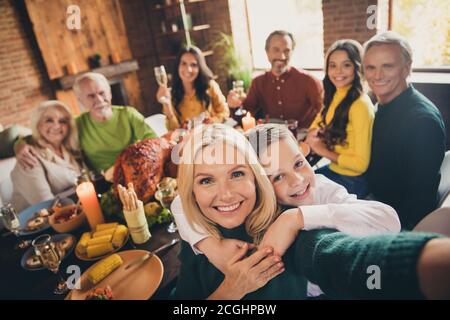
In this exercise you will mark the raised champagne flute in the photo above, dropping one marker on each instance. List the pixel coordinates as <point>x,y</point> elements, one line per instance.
<point>238,88</point>
<point>11,221</point>
<point>165,195</point>
<point>50,257</point>
<point>161,78</point>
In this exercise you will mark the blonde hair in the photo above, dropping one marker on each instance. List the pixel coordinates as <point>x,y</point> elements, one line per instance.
<point>265,210</point>
<point>70,142</point>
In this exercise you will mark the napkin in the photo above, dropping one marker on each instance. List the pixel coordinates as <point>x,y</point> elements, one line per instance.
<point>137,224</point>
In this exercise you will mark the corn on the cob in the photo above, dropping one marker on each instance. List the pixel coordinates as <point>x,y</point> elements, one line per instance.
<point>99,249</point>
<point>104,268</point>
<point>105,226</point>
<point>106,232</point>
<point>82,244</point>
<point>98,240</point>
<point>119,236</point>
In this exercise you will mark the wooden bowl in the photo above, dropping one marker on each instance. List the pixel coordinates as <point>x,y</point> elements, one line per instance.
<point>69,225</point>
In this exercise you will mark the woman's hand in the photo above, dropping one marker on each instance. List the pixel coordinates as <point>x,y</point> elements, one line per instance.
<point>221,252</point>
<point>26,155</point>
<point>234,100</point>
<point>163,95</point>
<point>249,274</point>
<point>319,147</point>
<point>283,231</point>
<point>316,144</point>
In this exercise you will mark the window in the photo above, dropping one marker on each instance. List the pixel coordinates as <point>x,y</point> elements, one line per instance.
<point>426,25</point>
<point>303,18</point>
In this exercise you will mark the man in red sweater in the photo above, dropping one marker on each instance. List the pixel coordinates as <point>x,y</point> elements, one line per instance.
<point>284,92</point>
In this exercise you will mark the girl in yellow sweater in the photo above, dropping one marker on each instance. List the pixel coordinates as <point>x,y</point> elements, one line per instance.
<point>194,91</point>
<point>342,131</point>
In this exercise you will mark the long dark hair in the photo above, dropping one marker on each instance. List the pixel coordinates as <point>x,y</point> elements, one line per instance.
<point>335,132</point>
<point>201,83</point>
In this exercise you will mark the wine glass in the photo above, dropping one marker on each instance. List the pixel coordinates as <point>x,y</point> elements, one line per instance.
<point>161,78</point>
<point>46,250</point>
<point>12,223</point>
<point>238,88</point>
<point>292,125</point>
<point>165,196</point>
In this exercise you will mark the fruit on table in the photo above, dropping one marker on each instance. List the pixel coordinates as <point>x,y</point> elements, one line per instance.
<point>105,293</point>
<point>152,208</point>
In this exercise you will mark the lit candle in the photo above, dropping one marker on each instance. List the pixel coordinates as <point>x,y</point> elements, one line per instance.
<point>248,122</point>
<point>88,197</point>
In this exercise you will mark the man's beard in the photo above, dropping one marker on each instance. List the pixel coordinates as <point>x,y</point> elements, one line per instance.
<point>103,112</point>
<point>279,66</point>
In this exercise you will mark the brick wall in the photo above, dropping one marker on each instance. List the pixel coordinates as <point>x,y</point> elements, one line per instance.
<point>23,83</point>
<point>347,19</point>
<point>136,16</point>
<point>141,28</point>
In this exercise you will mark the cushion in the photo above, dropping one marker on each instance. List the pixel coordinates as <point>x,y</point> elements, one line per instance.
<point>7,138</point>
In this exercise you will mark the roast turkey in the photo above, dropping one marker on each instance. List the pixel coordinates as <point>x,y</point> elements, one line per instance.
<point>144,164</point>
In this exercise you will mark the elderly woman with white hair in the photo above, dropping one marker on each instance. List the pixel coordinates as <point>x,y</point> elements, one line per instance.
<point>55,142</point>
<point>105,130</point>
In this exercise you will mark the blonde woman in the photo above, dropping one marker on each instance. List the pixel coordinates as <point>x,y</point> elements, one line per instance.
<point>225,193</point>
<point>55,141</point>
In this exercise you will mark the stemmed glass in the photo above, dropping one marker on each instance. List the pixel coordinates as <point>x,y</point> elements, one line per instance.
<point>161,78</point>
<point>12,223</point>
<point>165,196</point>
<point>292,125</point>
<point>238,88</point>
<point>50,257</point>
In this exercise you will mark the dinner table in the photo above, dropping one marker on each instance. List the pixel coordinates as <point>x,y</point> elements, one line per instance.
<point>19,283</point>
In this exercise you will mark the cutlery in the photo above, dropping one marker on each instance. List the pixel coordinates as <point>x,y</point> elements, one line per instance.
<point>151,254</point>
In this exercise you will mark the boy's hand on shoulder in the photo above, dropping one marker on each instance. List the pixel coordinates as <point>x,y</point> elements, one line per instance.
<point>220,252</point>
<point>283,231</point>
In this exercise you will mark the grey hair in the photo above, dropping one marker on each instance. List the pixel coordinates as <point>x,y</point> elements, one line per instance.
<point>93,76</point>
<point>391,37</point>
<point>281,33</point>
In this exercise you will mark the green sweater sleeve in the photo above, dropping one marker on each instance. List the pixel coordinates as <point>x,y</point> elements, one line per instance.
<point>189,282</point>
<point>140,129</point>
<point>345,266</point>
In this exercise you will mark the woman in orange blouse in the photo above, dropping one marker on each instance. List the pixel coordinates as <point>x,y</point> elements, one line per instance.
<point>194,91</point>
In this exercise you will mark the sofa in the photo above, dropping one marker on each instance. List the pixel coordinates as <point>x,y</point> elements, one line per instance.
<point>7,160</point>
<point>156,122</point>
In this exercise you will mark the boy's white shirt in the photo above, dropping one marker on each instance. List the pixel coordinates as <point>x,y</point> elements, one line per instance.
<point>335,208</point>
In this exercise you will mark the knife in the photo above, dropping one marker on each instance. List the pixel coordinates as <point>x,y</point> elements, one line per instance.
<point>151,254</point>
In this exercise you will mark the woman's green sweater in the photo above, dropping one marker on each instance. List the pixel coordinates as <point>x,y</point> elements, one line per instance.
<point>345,267</point>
